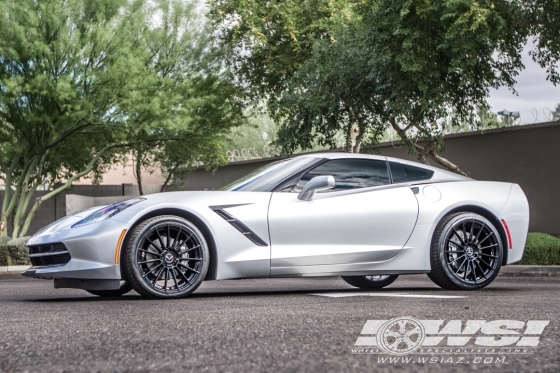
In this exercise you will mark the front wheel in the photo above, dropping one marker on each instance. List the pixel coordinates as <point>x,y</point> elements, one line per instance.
<point>370,282</point>
<point>165,257</point>
<point>466,252</point>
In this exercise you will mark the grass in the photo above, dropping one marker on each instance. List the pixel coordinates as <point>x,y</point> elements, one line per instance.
<point>541,249</point>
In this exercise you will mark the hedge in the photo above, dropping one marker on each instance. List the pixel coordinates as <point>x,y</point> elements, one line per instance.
<point>541,249</point>
<point>5,259</point>
<point>18,251</point>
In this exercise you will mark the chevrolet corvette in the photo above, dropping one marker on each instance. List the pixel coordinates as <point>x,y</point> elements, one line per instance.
<point>366,218</point>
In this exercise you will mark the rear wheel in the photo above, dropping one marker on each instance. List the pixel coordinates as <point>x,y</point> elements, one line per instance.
<point>466,252</point>
<point>125,288</point>
<point>165,257</point>
<point>370,282</point>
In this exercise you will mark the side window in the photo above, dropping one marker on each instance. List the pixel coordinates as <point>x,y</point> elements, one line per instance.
<point>403,173</point>
<point>349,174</point>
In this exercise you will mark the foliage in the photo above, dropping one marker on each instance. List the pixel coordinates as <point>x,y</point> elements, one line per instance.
<point>541,249</point>
<point>404,63</point>
<point>191,80</point>
<point>5,258</point>
<point>82,81</point>
<point>19,253</point>
<point>254,138</point>
<point>556,113</point>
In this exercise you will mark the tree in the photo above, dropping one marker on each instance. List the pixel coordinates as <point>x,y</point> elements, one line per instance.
<point>421,61</point>
<point>80,81</point>
<point>556,112</point>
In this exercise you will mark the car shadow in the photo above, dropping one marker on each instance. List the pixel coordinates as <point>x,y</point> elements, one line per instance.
<point>208,293</point>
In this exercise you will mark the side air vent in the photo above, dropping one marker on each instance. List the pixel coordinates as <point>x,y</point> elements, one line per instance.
<point>238,225</point>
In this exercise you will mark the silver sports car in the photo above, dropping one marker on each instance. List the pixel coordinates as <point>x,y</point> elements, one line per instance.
<point>363,217</point>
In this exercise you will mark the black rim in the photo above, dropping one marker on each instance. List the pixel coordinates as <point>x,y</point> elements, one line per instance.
<point>472,251</point>
<point>170,258</point>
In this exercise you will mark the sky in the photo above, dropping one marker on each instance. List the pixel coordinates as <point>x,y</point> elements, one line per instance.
<point>535,92</point>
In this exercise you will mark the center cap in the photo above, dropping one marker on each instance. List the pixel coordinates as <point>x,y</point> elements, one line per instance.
<point>169,258</point>
<point>469,251</point>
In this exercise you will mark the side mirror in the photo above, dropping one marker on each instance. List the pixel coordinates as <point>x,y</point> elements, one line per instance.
<point>314,185</point>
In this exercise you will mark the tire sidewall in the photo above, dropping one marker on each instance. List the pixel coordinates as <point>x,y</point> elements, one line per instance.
<point>441,247</point>
<point>132,251</point>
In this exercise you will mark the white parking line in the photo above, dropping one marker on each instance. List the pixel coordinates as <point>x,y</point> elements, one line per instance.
<point>357,294</point>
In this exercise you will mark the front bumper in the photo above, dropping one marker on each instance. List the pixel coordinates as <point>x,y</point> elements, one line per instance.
<point>92,249</point>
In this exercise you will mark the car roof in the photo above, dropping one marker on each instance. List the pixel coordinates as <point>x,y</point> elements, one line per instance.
<point>439,174</point>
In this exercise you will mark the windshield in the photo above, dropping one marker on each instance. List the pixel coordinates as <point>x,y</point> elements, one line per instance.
<point>265,178</point>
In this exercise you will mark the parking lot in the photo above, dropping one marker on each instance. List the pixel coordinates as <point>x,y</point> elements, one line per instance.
<point>292,325</point>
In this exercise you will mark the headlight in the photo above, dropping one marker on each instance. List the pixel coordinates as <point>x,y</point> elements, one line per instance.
<point>107,212</point>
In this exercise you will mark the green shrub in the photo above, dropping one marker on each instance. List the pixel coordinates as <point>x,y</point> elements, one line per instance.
<point>18,251</point>
<point>5,259</point>
<point>541,249</point>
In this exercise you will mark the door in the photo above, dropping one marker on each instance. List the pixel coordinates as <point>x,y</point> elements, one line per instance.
<point>363,219</point>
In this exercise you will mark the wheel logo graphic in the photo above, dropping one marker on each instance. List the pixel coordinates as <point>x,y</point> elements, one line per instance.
<point>401,336</point>
<point>169,258</point>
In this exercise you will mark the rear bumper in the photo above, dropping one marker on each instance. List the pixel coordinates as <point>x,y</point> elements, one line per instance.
<point>516,218</point>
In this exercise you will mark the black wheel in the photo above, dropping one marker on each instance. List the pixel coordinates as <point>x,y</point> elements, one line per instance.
<point>125,288</point>
<point>370,282</point>
<point>466,252</point>
<point>165,257</point>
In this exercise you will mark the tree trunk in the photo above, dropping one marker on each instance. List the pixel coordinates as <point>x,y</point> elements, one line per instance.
<point>428,150</point>
<point>168,178</point>
<point>139,171</point>
<point>349,137</point>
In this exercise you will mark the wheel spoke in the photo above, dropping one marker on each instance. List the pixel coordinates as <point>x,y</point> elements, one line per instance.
<point>175,278</point>
<point>487,247</point>
<point>455,243</point>
<point>459,257</point>
<point>464,231</point>
<point>149,261</point>
<point>491,256</point>
<point>458,269</point>
<point>154,245</point>
<point>165,283</point>
<point>160,239</point>
<point>472,230</point>
<point>177,238</point>
<point>168,236</point>
<point>189,268</point>
<point>190,249</point>
<point>196,259</point>
<point>481,270</point>
<point>150,252</point>
<point>458,236</point>
<point>487,264</point>
<point>185,277</point>
<point>473,271</point>
<point>485,238</point>
<point>479,231</point>
<point>157,277</point>
<point>152,270</point>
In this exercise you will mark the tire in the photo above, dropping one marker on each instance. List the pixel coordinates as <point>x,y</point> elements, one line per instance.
<point>370,282</point>
<point>125,288</point>
<point>466,252</point>
<point>165,257</point>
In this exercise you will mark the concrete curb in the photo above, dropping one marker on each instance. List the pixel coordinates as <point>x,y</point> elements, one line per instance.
<point>13,269</point>
<point>518,270</point>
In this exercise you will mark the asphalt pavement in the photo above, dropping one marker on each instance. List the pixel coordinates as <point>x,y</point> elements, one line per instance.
<point>284,325</point>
